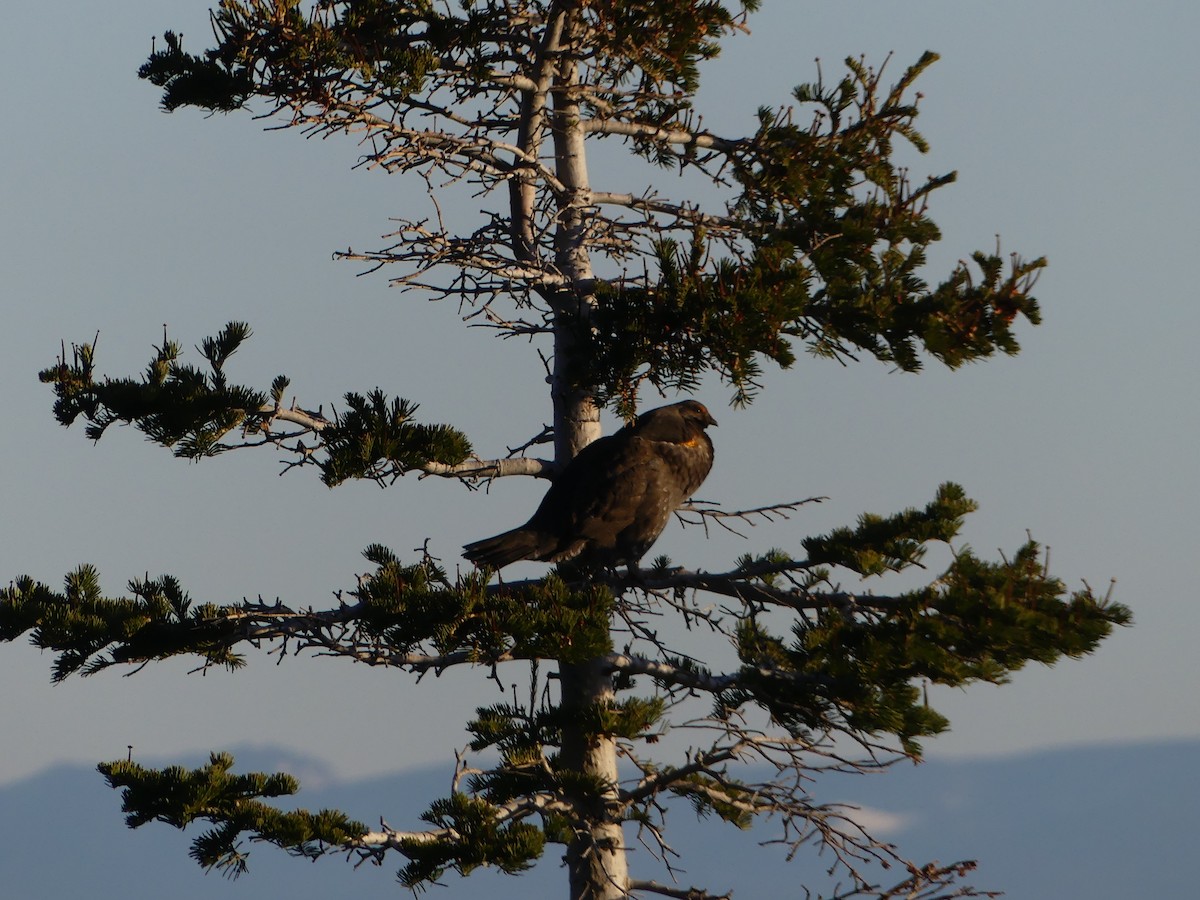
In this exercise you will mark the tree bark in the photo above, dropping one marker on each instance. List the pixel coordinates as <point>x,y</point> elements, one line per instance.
<point>576,418</point>
<point>596,863</point>
<point>596,860</point>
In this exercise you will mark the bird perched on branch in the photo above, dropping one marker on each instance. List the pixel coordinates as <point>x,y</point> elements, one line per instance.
<point>613,500</point>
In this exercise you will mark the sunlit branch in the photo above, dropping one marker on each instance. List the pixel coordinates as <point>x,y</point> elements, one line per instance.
<point>679,136</point>
<point>388,838</point>
<point>471,469</point>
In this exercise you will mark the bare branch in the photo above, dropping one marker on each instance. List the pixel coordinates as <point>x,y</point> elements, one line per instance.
<point>657,781</point>
<point>388,838</point>
<point>650,204</point>
<point>679,136</point>
<point>928,882</point>
<point>679,893</point>
<point>472,469</point>
<point>705,511</point>
<point>492,468</point>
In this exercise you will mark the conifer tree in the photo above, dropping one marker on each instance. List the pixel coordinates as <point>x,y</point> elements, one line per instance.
<point>629,293</point>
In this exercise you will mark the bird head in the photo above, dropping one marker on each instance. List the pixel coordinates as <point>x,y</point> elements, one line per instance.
<point>679,423</point>
<point>697,412</point>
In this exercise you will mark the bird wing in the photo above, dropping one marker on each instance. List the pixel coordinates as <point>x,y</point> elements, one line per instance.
<point>630,493</point>
<point>618,494</point>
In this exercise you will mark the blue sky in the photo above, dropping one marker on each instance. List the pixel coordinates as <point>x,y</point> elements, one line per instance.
<point>1072,127</point>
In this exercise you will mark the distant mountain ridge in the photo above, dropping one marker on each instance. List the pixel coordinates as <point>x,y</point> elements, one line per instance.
<point>1101,822</point>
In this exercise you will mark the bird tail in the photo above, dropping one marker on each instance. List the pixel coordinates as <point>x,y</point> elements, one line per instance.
<point>497,552</point>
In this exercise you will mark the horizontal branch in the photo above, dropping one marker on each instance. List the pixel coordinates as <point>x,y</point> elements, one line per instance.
<point>705,510</point>
<point>296,416</point>
<point>751,803</point>
<point>492,468</point>
<point>470,76</point>
<point>664,207</point>
<point>661,135</point>
<point>427,248</point>
<point>314,630</point>
<point>413,662</point>
<point>743,584</point>
<point>469,469</point>
<point>388,838</point>
<point>680,893</point>
<point>679,676</point>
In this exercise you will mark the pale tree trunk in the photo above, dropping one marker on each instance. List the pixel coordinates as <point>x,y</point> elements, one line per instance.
<point>596,859</point>
<point>596,862</point>
<point>574,409</point>
<point>531,132</point>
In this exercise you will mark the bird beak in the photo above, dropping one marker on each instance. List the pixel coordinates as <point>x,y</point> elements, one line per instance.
<point>708,419</point>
